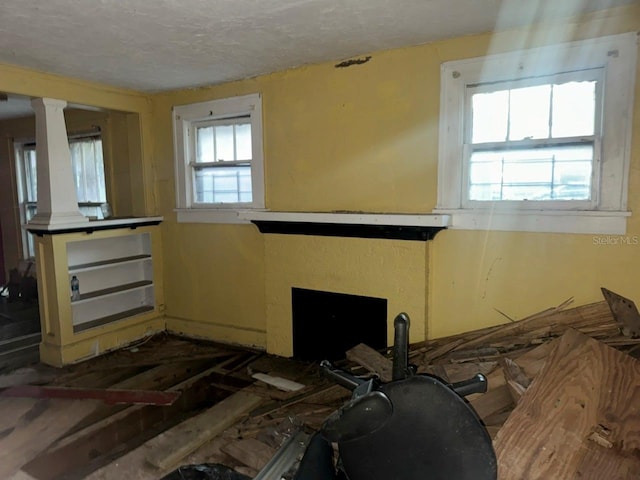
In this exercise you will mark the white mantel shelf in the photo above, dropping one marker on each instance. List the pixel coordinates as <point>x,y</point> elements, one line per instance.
<point>399,226</point>
<point>92,225</point>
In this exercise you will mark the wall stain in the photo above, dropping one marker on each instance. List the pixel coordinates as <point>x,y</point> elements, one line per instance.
<point>486,280</point>
<point>353,61</point>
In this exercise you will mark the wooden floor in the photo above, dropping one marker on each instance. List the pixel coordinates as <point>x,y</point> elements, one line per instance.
<point>224,415</point>
<point>84,438</point>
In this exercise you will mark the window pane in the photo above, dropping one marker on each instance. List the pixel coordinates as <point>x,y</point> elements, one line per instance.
<point>205,148</point>
<point>224,143</point>
<point>574,107</point>
<point>88,170</point>
<point>490,116</point>
<point>223,184</point>
<point>529,112</point>
<point>30,175</point>
<point>91,211</point>
<point>243,141</point>
<point>550,173</point>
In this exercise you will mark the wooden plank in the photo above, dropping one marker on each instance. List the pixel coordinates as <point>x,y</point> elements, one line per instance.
<point>583,387</point>
<point>313,394</point>
<point>168,448</point>
<point>28,375</point>
<point>279,382</point>
<point>160,377</point>
<point>464,371</point>
<point>107,433</point>
<point>161,454</point>
<point>38,427</point>
<point>250,452</point>
<point>593,319</point>
<point>494,401</point>
<point>119,362</point>
<point>624,311</point>
<point>371,360</point>
<point>109,396</point>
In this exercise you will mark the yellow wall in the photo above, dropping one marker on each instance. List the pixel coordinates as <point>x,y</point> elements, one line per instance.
<point>365,138</point>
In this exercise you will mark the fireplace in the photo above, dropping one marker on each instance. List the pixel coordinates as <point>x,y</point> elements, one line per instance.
<point>327,324</point>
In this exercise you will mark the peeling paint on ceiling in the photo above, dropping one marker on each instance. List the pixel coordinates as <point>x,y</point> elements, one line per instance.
<point>169,44</point>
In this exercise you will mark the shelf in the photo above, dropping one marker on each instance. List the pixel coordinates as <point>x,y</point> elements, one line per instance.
<point>107,263</point>
<point>92,226</point>
<point>112,291</point>
<point>112,318</point>
<point>396,226</point>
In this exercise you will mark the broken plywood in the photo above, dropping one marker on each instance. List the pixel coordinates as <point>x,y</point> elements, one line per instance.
<point>584,387</point>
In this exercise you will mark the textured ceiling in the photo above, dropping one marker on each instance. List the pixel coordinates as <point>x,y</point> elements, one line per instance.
<point>167,44</point>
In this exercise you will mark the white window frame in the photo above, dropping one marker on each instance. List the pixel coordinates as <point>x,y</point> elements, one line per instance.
<point>616,55</point>
<point>185,118</point>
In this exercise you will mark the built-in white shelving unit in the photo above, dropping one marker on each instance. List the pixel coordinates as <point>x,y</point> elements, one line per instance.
<point>116,279</point>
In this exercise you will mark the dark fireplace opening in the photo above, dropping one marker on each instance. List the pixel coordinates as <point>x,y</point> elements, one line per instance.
<point>327,324</point>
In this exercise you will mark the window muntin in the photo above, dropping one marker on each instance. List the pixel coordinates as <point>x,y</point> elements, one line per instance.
<point>533,140</point>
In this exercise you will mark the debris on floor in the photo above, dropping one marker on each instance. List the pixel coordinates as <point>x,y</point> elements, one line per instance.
<point>541,370</point>
<point>579,419</point>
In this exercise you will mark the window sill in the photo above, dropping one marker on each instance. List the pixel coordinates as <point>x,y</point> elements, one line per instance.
<point>544,221</point>
<point>210,215</point>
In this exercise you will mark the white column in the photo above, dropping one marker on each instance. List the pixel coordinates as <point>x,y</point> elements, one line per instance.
<point>57,198</point>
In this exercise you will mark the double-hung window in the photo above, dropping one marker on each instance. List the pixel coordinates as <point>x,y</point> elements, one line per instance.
<point>222,163</point>
<point>218,152</point>
<point>539,140</point>
<point>87,165</point>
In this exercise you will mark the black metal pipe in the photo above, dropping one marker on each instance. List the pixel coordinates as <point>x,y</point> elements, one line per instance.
<point>339,376</point>
<point>401,347</point>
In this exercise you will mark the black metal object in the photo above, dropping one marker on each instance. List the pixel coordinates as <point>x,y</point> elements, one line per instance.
<point>476,384</point>
<point>359,418</point>
<point>317,462</point>
<point>433,433</point>
<point>205,471</point>
<point>396,232</point>
<point>339,376</point>
<point>400,347</point>
<point>412,428</point>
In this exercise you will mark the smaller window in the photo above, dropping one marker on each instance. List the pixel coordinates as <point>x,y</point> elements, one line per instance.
<point>219,165</point>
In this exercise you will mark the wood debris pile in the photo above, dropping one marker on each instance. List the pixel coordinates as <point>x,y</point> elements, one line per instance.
<point>511,355</point>
<point>561,399</point>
